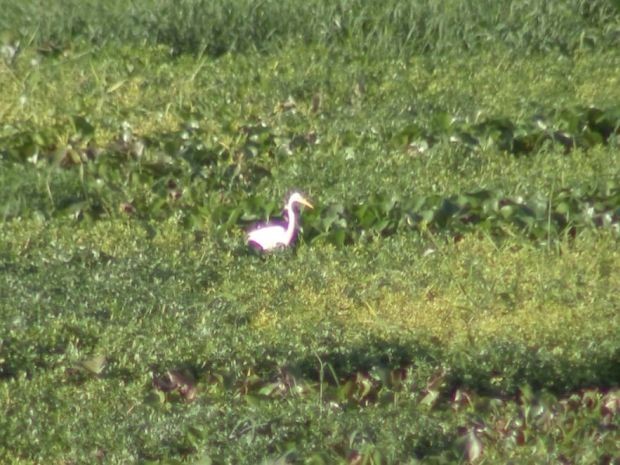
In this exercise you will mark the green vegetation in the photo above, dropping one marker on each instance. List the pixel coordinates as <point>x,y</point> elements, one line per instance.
<point>454,297</point>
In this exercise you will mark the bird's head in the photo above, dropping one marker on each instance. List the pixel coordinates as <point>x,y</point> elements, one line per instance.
<point>296,197</point>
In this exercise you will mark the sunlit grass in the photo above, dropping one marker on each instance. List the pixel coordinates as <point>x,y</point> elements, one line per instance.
<point>471,291</point>
<point>155,92</point>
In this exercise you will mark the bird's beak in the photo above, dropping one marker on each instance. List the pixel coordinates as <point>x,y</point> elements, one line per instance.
<point>306,203</point>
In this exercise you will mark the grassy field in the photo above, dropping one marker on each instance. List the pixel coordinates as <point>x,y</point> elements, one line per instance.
<point>454,296</point>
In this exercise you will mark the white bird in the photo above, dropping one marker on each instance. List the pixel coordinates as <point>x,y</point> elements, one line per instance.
<point>276,234</point>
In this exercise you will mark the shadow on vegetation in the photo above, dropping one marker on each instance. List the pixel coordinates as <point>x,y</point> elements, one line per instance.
<point>497,368</point>
<point>364,373</point>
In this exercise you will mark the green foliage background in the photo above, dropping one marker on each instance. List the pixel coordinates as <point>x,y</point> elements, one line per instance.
<point>392,26</point>
<point>453,296</point>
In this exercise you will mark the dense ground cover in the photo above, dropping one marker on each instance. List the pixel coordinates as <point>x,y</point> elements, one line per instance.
<point>454,296</point>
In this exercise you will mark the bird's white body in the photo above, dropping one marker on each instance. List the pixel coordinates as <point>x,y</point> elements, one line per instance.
<point>272,236</point>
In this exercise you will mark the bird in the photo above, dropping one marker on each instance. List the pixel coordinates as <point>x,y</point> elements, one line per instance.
<point>278,234</point>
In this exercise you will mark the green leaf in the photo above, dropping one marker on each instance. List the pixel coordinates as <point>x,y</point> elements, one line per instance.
<point>94,365</point>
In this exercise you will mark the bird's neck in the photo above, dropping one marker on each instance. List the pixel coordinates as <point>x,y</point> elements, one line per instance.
<point>292,222</point>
